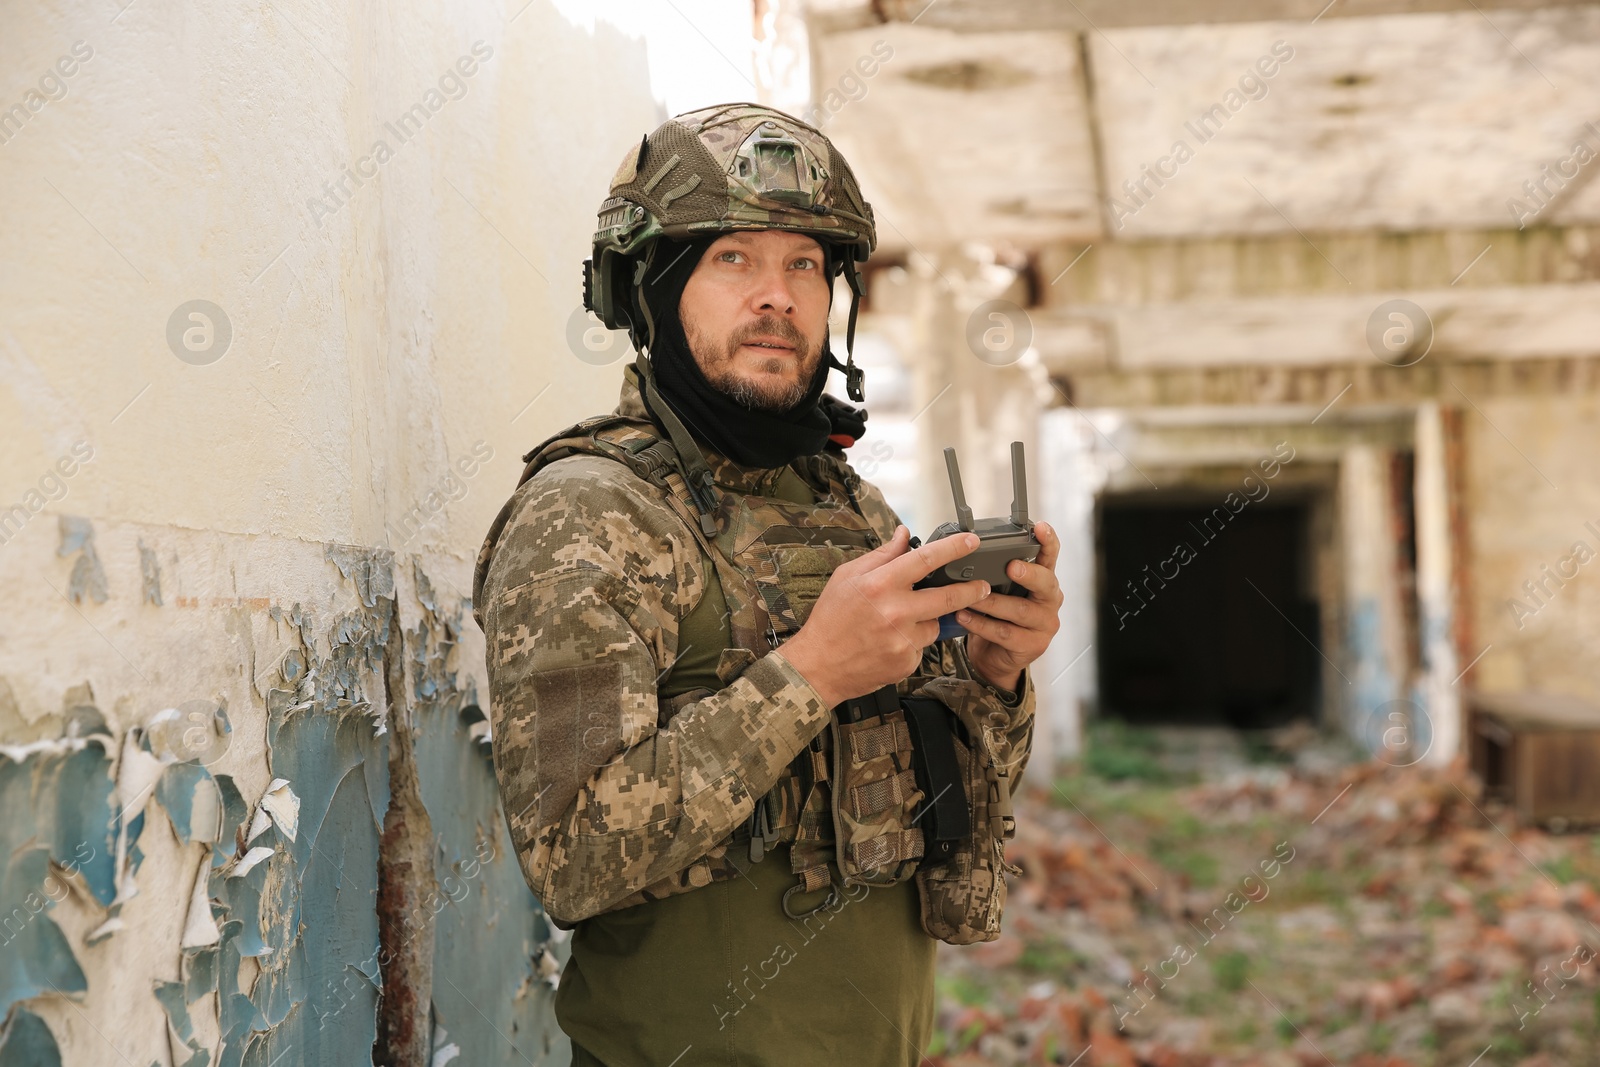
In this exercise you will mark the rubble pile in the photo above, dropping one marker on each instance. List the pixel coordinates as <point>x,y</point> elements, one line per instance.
<point>1373,916</point>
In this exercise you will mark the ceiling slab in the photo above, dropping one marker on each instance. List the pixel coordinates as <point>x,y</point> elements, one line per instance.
<point>1403,122</point>
<point>964,138</point>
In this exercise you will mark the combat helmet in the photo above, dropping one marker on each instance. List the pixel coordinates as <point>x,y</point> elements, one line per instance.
<point>718,169</point>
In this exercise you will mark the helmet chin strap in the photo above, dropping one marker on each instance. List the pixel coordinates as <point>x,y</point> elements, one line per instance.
<point>855,380</point>
<point>643,334</point>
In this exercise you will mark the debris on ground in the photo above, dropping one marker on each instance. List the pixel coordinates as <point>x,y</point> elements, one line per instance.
<point>1365,915</point>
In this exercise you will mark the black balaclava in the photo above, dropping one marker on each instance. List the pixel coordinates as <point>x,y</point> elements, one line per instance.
<point>750,438</point>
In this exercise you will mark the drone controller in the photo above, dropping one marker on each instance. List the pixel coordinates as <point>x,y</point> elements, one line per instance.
<point>999,540</point>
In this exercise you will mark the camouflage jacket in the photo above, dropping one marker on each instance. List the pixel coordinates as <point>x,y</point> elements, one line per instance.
<point>613,799</point>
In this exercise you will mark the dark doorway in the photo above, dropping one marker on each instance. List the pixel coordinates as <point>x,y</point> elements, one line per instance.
<point>1198,613</point>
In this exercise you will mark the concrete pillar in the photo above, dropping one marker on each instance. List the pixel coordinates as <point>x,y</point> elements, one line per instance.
<point>977,405</point>
<point>1374,671</point>
<point>1066,491</point>
<point>1438,693</point>
<point>933,407</point>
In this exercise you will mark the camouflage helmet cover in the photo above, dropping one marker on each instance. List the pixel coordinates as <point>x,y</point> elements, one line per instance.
<point>719,169</point>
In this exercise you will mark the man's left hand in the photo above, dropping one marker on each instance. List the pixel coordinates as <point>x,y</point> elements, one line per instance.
<point>1006,633</point>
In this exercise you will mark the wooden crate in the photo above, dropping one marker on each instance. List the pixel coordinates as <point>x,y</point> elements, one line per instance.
<point>1539,752</point>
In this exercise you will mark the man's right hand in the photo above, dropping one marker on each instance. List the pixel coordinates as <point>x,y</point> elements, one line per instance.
<point>868,627</point>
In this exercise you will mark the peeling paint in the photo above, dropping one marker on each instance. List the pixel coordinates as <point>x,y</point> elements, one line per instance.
<point>282,955</point>
<point>308,911</point>
<point>189,795</point>
<point>88,576</point>
<point>248,861</point>
<point>279,807</point>
<point>138,773</point>
<point>489,994</point>
<point>313,910</point>
<point>57,797</point>
<point>27,1042</point>
<point>198,730</point>
<point>444,1051</point>
<point>149,575</point>
<point>371,570</point>
<point>291,887</point>
<point>200,926</point>
<point>234,811</point>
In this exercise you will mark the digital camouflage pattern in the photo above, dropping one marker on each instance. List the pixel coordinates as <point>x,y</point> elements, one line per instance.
<point>614,797</point>
<point>875,800</point>
<point>963,900</point>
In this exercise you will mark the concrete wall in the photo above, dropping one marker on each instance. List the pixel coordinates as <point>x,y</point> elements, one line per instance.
<point>384,209</point>
<point>1534,529</point>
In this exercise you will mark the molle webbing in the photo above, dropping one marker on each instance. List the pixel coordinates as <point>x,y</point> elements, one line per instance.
<point>878,741</point>
<point>874,797</point>
<point>894,847</point>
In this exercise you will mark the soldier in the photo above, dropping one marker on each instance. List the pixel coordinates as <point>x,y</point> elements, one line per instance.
<point>735,757</point>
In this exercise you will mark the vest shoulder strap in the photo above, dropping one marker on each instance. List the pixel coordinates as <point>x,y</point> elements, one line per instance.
<point>638,445</point>
<point>627,440</point>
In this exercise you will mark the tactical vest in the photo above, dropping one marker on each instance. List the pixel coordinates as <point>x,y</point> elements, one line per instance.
<point>851,797</point>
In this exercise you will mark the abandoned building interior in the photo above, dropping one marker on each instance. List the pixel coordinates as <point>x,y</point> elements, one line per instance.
<point>1295,305</point>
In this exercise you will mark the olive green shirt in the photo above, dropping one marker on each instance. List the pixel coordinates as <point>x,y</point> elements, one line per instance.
<point>720,976</point>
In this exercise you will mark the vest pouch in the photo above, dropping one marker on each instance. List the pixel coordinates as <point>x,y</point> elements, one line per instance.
<point>791,566</point>
<point>875,794</point>
<point>963,897</point>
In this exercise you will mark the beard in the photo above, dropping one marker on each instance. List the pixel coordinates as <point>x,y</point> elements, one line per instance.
<point>769,392</point>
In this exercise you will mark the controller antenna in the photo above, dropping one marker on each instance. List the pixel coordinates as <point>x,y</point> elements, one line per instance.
<point>1019,486</point>
<point>963,513</point>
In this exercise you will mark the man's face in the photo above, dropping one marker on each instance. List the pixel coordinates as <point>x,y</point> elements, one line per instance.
<point>755,311</point>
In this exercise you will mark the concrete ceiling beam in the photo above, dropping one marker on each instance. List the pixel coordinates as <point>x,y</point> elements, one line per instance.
<point>1243,267</point>
<point>1511,323</point>
<point>1333,389</point>
<point>989,16</point>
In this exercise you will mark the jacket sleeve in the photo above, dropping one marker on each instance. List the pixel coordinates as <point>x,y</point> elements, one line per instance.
<point>581,603</point>
<point>1003,720</point>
